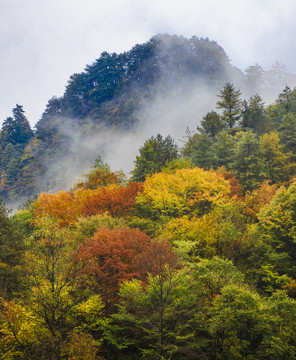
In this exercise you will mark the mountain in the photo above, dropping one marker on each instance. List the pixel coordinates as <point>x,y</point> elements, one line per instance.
<point>154,87</point>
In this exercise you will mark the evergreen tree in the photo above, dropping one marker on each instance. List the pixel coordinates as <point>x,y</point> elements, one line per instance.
<point>253,114</point>
<point>10,254</point>
<point>212,124</point>
<point>247,164</point>
<point>201,155</point>
<point>285,100</point>
<point>287,132</point>
<point>254,78</point>
<point>47,126</point>
<point>9,152</point>
<point>230,104</point>
<point>154,155</point>
<point>222,150</point>
<point>16,129</point>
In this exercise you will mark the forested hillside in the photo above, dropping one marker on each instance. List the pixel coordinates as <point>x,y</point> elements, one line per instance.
<point>118,95</point>
<point>182,262</point>
<point>191,257</point>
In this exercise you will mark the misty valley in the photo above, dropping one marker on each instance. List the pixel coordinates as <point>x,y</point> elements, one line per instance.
<point>153,212</point>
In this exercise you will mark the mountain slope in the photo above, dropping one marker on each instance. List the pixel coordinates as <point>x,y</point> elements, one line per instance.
<point>163,85</point>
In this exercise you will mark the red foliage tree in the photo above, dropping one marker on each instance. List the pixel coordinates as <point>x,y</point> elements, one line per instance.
<point>154,258</point>
<point>113,256</point>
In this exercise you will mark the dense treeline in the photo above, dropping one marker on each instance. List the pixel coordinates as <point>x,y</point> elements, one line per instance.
<point>109,94</point>
<point>193,258</point>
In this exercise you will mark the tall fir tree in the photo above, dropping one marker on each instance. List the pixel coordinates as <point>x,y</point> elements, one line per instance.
<point>230,104</point>
<point>16,129</point>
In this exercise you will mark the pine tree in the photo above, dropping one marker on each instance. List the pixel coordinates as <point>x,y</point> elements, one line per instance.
<point>230,104</point>
<point>253,115</point>
<point>212,124</point>
<point>247,164</point>
<point>154,155</point>
<point>16,129</point>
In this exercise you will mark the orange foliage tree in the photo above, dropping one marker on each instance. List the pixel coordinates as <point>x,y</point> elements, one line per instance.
<point>236,191</point>
<point>61,206</point>
<point>260,197</point>
<point>117,201</point>
<point>67,207</point>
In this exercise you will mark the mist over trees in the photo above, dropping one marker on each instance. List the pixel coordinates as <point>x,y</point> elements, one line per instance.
<point>192,257</point>
<point>121,96</point>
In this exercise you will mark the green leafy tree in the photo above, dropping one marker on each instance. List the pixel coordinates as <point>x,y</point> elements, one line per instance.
<point>246,326</point>
<point>230,104</point>
<point>277,229</point>
<point>153,322</point>
<point>154,155</point>
<point>278,164</point>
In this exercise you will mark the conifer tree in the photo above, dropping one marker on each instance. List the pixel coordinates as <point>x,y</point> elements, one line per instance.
<point>230,104</point>
<point>247,164</point>
<point>154,155</point>
<point>253,113</point>
<point>212,124</point>
<point>16,129</point>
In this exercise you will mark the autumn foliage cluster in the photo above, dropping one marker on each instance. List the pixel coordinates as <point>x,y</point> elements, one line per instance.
<point>67,206</point>
<point>193,262</point>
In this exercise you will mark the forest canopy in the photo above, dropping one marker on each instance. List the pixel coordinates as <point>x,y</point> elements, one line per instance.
<point>192,256</point>
<point>111,100</point>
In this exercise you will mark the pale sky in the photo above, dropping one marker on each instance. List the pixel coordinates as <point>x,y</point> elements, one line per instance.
<point>43,42</point>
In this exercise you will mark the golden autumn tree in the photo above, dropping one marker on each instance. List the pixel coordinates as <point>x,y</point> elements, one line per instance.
<point>61,206</point>
<point>192,192</point>
<point>218,233</point>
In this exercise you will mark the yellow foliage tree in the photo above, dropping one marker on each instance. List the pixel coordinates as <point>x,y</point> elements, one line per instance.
<point>191,192</point>
<point>220,232</point>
